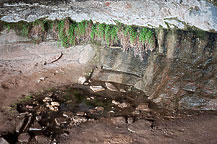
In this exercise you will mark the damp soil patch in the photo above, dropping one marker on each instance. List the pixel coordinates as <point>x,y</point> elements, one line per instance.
<point>47,115</point>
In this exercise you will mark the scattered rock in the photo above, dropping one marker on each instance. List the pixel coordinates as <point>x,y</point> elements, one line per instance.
<point>123,105</point>
<point>77,120</point>
<point>29,107</point>
<point>118,120</point>
<point>52,108</point>
<point>130,120</point>
<point>41,79</point>
<point>136,112</point>
<point>55,104</point>
<point>68,114</point>
<point>47,99</point>
<point>115,102</point>
<point>24,138</point>
<point>140,127</point>
<point>42,139</point>
<point>38,118</point>
<point>142,107</point>
<point>82,80</point>
<point>80,113</point>
<point>3,141</point>
<point>97,88</point>
<point>123,90</point>
<point>111,87</point>
<point>35,127</point>
<point>60,121</point>
<point>99,109</point>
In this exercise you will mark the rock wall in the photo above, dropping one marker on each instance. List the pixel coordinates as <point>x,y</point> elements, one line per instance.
<point>180,74</point>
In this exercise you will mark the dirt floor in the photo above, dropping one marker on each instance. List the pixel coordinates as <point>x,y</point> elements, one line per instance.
<point>193,127</point>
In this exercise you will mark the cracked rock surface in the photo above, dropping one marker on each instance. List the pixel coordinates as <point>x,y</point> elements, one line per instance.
<point>152,13</point>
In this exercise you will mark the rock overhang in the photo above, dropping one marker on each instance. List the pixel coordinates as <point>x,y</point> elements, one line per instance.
<point>149,13</point>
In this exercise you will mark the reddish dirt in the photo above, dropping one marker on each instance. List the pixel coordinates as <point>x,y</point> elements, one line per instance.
<point>194,128</point>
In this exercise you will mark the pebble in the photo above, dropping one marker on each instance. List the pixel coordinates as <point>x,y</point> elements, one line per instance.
<point>35,127</point>
<point>38,118</point>
<point>111,86</point>
<point>47,99</point>
<point>81,114</point>
<point>77,120</point>
<point>130,120</point>
<point>99,109</point>
<point>97,88</point>
<point>60,121</point>
<point>29,107</point>
<point>24,138</point>
<point>142,107</point>
<point>55,104</point>
<point>123,105</point>
<point>52,108</point>
<point>115,102</point>
<point>118,120</point>
<point>123,90</point>
<point>68,114</point>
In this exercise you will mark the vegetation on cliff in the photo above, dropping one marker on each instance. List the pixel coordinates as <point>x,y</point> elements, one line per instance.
<point>69,33</point>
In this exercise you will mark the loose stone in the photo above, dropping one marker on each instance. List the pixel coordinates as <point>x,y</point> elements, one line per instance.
<point>24,138</point>
<point>142,107</point>
<point>97,88</point>
<point>80,113</point>
<point>111,87</point>
<point>99,109</point>
<point>60,121</point>
<point>130,120</point>
<point>118,120</point>
<point>55,104</point>
<point>47,99</point>
<point>77,120</point>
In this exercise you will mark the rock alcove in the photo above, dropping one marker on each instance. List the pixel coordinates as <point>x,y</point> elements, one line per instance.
<point>108,72</point>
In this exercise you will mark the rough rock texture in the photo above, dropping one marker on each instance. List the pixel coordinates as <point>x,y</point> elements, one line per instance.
<point>173,13</point>
<point>181,73</point>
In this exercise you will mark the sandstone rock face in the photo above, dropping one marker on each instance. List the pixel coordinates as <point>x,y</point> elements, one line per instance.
<point>180,75</point>
<point>170,13</point>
